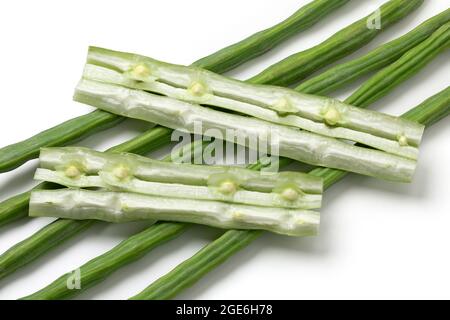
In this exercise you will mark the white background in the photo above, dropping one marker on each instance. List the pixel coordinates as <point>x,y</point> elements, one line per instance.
<point>378,239</point>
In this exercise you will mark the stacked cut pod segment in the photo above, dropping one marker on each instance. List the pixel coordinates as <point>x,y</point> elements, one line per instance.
<point>312,129</point>
<point>128,187</point>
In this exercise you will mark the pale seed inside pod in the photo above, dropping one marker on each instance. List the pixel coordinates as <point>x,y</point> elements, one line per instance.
<point>227,187</point>
<point>289,194</point>
<point>72,172</point>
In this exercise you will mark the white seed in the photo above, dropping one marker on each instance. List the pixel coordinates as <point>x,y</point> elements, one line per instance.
<point>290,194</point>
<point>121,172</point>
<point>403,140</point>
<point>237,215</point>
<point>227,187</point>
<point>197,89</point>
<point>72,172</point>
<point>332,116</point>
<point>141,71</point>
<point>281,104</point>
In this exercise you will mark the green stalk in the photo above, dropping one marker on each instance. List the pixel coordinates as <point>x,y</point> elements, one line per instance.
<point>385,54</point>
<point>191,270</point>
<point>129,250</point>
<point>432,110</point>
<point>45,239</point>
<point>14,155</point>
<point>233,240</point>
<point>411,63</point>
<point>259,43</point>
<point>298,66</point>
<point>212,255</point>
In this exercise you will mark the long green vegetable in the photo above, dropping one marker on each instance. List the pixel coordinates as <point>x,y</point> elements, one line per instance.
<point>218,251</point>
<point>44,240</point>
<point>129,250</point>
<point>75,129</point>
<point>298,66</point>
<point>232,240</point>
<point>399,70</point>
<point>315,114</point>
